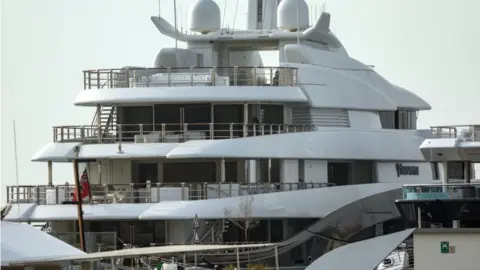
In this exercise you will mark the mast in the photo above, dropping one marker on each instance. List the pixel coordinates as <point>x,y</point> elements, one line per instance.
<point>81,230</point>
<point>298,22</point>
<point>175,19</point>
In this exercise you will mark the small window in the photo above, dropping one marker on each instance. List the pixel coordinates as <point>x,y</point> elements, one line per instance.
<point>456,170</point>
<point>260,11</point>
<point>199,60</point>
<point>435,171</point>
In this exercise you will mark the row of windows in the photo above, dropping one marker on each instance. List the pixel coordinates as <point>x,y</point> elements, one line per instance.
<point>401,119</point>
<point>260,11</point>
<point>455,170</point>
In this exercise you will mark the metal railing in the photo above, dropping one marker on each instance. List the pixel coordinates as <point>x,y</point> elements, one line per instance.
<point>94,241</point>
<point>400,258</point>
<point>189,76</point>
<point>144,133</point>
<point>148,192</point>
<point>466,132</point>
<point>441,191</point>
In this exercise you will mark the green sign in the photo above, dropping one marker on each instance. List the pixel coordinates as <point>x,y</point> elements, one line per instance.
<point>444,247</point>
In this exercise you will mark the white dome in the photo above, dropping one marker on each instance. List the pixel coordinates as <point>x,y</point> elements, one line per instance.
<point>287,15</point>
<point>205,16</point>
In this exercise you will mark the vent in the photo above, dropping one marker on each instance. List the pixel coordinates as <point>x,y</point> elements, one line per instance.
<point>320,117</point>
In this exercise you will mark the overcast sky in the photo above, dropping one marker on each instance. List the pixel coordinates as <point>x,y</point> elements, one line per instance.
<point>430,47</point>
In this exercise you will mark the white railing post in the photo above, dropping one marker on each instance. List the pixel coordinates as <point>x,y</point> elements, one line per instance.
<point>185,132</point>
<point>213,73</point>
<point>271,76</point>
<point>147,83</point>
<point>235,75</point>
<point>149,191</point>
<point>191,76</point>
<point>163,133</point>
<point>99,123</point>
<point>183,191</point>
<point>211,129</point>
<point>169,76</point>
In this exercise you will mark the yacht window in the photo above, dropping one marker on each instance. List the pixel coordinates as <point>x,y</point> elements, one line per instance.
<point>387,119</point>
<point>435,171</point>
<point>455,170</point>
<point>200,60</point>
<point>407,119</point>
<point>260,11</point>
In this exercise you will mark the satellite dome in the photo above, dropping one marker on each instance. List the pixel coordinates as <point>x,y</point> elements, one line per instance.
<point>287,15</point>
<point>205,16</point>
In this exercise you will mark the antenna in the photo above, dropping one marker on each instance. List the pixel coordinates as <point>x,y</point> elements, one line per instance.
<point>235,16</point>
<point>224,12</point>
<point>159,4</point>
<point>175,18</point>
<point>16,165</point>
<point>181,18</point>
<point>298,23</point>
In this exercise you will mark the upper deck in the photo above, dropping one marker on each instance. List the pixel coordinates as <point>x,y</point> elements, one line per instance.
<point>168,133</point>
<point>132,77</point>
<point>441,192</point>
<point>149,192</point>
<point>440,204</point>
<point>465,132</point>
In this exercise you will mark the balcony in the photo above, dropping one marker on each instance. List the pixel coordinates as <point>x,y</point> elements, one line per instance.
<point>465,132</point>
<point>167,133</point>
<point>441,192</point>
<point>191,76</point>
<point>149,192</point>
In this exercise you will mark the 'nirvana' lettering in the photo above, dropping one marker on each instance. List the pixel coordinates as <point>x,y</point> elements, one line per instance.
<point>406,170</point>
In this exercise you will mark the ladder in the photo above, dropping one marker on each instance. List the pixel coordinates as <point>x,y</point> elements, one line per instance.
<point>108,120</point>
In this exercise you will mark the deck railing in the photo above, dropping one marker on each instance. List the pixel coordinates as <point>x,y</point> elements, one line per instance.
<point>149,192</point>
<point>94,241</point>
<point>466,132</point>
<point>441,191</point>
<point>189,76</point>
<point>144,133</point>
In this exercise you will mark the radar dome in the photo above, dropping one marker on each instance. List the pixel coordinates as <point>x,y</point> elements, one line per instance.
<point>287,15</point>
<point>205,17</point>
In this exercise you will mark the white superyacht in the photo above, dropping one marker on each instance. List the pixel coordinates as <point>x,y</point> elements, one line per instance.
<point>310,154</point>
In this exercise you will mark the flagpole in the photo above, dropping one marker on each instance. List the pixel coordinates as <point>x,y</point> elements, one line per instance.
<point>79,200</point>
<point>298,23</point>
<point>16,165</point>
<point>159,9</point>
<point>175,18</point>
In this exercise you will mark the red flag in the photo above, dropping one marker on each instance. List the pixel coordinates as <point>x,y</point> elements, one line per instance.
<point>84,187</point>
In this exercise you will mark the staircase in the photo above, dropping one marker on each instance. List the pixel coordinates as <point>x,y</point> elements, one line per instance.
<point>108,121</point>
<point>211,232</point>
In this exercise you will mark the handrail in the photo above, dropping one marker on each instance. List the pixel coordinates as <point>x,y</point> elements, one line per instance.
<point>441,191</point>
<point>189,76</point>
<point>469,132</point>
<point>443,185</point>
<point>148,192</point>
<point>176,132</point>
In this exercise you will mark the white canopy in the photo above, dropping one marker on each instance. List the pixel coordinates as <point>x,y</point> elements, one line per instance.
<point>21,242</point>
<point>292,204</point>
<point>135,252</point>
<point>362,255</point>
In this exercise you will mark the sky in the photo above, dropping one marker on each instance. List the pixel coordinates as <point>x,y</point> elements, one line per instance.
<point>430,47</point>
